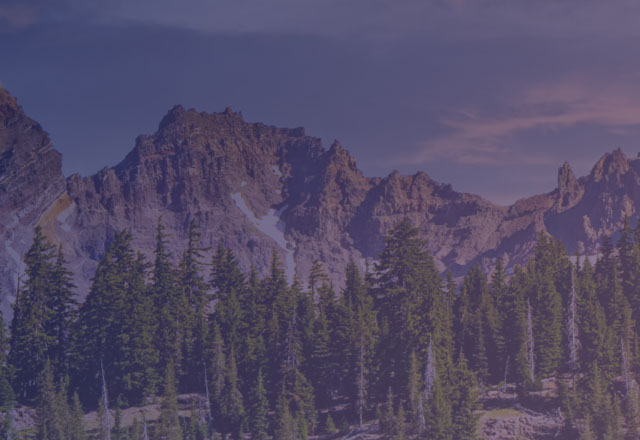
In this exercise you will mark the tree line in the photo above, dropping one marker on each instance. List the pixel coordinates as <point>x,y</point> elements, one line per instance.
<point>398,343</point>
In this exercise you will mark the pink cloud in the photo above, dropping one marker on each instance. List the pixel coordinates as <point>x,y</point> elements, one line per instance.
<point>477,139</point>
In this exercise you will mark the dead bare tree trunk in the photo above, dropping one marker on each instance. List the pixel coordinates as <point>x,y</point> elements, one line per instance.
<point>572,327</point>
<point>106,422</point>
<point>532,374</point>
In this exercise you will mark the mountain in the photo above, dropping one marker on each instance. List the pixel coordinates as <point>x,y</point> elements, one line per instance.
<point>30,180</point>
<point>259,188</point>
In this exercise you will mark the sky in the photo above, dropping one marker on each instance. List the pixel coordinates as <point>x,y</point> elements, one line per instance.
<point>489,96</point>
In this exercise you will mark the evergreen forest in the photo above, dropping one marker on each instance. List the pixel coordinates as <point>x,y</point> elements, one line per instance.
<point>263,358</point>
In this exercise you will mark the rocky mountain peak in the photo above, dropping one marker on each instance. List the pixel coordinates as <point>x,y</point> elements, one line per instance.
<point>258,189</point>
<point>610,165</point>
<point>30,180</point>
<point>172,116</point>
<point>569,190</point>
<point>338,155</point>
<point>7,102</point>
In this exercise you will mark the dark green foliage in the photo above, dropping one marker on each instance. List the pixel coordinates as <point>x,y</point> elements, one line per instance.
<point>546,302</point>
<point>169,427</point>
<point>7,397</point>
<point>42,316</point>
<point>386,416</point>
<point>194,298</point>
<point>51,411</point>
<point>359,328</point>
<point>411,306</point>
<point>62,306</point>
<point>170,305</point>
<point>400,428</point>
<point>515,329</point>
<point>479,327</point>
<point>400,334</point>
<point>258,410</point>
<point>232,403</point>
<point>116,327</point>
<point>329,425</point>
<point>285,428</point>
<point>57,419</point>
<point>464,401</point>
<point>217,377</point>
<point>76,424</point>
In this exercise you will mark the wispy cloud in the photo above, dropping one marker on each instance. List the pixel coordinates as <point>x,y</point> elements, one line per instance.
<point>369,19</point>
<point>16,16</point>
<point>390,19</point>
<point>476,138</point>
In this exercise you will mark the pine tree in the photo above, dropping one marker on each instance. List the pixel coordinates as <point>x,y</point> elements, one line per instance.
<point>573,342</point>
<point>280,307</point>
<point>591,319</point>
<point>546,304</point>
<point>628,262</point>
<point>357,351</point>
<point>479,332</point>
<point>169,427</point>
<point>116,326</point>
<point>30,343</point>
<point>170,305</point>
<point>218,365</point>
<point>440,422</point>
<point>51,410</point>
<point>464,400</point>
<point>632,412</point>
<point>317,277</point>
<point>7,396</point>
<point>306,315</point>
<point>233,406</point>
<point>76,424</point>
<point>416,397</point>
<point>515,329</point>
<point>588,432</point>
<point>568,406</point>
<point>600,406</point>
<point>329,425</point>
<point>321,360</point>
<point>258,411</point>
<point>118,432</point>
<point>387,416</point>
<point>6,428</point>
<point>400,431</point>
<point>284,423</point>
<point>137,364</point>
<point>62,306</point>
<point>409,292</point>
<point>195,298</point>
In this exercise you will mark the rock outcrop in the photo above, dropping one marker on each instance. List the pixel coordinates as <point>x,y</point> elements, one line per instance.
<point>259,188</point>
<point>30,181</point>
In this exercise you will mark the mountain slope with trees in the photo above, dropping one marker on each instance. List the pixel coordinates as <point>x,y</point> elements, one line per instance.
<point>259,189</point>
<point>398,343</point>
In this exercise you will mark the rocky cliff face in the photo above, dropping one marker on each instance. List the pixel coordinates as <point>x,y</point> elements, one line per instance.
<point>260,189</point>
<point>30,180</point>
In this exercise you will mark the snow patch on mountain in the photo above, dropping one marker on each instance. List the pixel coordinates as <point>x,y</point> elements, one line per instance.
<point>64,215</point>
<point>272,226</point>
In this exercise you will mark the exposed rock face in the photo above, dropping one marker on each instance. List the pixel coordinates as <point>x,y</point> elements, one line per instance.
<point>30,180</point>
<point>259,188</point>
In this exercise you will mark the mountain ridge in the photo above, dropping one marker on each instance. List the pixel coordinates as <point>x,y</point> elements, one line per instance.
<point>260,188</point>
